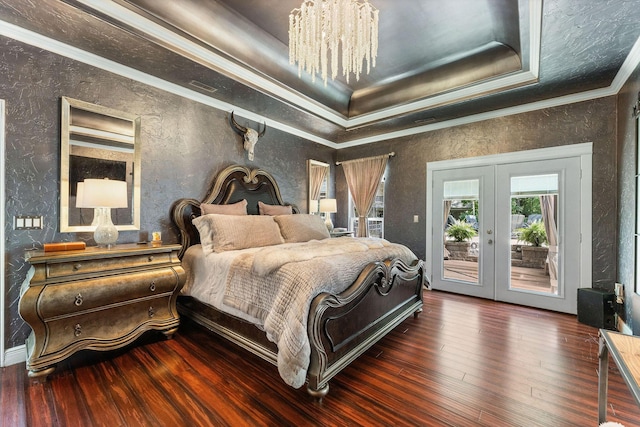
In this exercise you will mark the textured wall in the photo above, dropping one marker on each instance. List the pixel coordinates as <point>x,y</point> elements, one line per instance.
<point>406,193</point>
<point>184,144</point>
<point>627,158</point>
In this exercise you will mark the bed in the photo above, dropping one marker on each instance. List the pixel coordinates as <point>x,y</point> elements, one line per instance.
<point>367,286</point>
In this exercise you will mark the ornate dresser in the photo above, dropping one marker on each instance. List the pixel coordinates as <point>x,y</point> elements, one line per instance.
<point>97,299</point>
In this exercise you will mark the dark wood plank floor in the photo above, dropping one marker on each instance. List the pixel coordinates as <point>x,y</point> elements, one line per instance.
<point>463,362</point>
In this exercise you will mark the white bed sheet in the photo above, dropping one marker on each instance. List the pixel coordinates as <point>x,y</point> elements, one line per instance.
<point>207,276</point>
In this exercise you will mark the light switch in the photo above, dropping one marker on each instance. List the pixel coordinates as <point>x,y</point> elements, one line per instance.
<point>27,222</point>
<point>415,218</point>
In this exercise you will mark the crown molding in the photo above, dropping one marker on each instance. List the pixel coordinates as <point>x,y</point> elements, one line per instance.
<point>200,54</point>
<point>29,37</point>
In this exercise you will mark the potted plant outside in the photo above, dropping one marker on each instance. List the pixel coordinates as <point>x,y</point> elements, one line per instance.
<point>535,234</point>
<point>534,255</point>
<point>461,232</point>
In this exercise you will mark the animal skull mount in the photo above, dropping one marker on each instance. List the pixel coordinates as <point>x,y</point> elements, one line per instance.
<point>250,136</point>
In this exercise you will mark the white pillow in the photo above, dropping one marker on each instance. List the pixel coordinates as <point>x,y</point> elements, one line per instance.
<point>266,209</point>
<point>219,233</point>
<point>302,227</point>
<point>238,208</point>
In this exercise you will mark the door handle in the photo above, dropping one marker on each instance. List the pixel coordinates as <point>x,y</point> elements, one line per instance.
<point>490,241</point>
<point>489,231</point>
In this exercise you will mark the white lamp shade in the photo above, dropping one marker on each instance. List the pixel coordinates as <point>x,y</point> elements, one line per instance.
<point>80,195</point>
<point>103,193</point>
<point>328,205</point>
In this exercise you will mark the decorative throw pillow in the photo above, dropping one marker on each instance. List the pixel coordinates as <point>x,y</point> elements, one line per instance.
<point>219,233</point>
<point>266,209</point>
<point>238,208</point>
<point>302,228</point>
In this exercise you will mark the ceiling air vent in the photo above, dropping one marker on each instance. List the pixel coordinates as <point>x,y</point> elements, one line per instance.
<point>202,86</point>
<point>424,121</point>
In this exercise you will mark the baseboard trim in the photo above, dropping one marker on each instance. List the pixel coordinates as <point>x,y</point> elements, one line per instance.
<point>15,355</point>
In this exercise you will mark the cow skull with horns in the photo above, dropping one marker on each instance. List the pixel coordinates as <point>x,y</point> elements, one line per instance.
<point>250,136</point>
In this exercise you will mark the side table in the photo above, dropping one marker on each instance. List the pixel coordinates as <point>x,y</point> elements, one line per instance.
<point>97,299</point>
<point>625,351</point>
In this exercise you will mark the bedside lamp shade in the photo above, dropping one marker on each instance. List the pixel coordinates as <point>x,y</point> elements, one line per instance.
<point>103,194</point>
<point>313,206</point>
<point>80,195</point>
<point>328,206</point>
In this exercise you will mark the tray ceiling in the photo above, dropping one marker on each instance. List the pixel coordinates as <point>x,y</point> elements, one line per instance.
<point>438,62</point>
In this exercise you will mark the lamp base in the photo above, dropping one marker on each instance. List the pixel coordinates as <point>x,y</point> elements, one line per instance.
<point>106,234</point>
<point>328,222</point>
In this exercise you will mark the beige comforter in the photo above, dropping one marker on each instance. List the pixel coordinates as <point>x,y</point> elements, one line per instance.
<point>277,284</point>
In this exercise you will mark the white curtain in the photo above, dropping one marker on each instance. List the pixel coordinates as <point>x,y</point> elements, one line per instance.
<point>317,175</point>
<point>363,177</point>
<point>447,210</point>
<point>548,205</point>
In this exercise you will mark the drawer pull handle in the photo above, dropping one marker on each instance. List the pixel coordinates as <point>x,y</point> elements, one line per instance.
<point>150,258</point>
<point>78,302</point>
<point>77,330</point>
<point>152,286</point>
<point>77,267</point>
<point>151,312</point>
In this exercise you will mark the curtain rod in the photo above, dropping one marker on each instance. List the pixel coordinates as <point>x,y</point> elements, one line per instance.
<point>391,154</point>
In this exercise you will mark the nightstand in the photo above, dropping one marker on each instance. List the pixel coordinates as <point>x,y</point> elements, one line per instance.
<point>97,299</point>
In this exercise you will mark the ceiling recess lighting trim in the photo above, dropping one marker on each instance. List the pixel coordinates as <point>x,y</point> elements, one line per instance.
<point>318,29</point>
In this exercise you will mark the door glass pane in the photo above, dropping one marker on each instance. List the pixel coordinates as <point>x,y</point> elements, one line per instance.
<point>534,234</point>
<point>460,222</point>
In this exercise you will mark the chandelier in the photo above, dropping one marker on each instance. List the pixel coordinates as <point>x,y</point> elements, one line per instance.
<point>319,27</point>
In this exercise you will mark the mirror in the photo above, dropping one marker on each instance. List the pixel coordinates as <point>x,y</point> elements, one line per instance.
<point>98,142</point>
<point>318,183</point>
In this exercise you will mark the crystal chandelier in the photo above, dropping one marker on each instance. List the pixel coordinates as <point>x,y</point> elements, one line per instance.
<point>319,27</point>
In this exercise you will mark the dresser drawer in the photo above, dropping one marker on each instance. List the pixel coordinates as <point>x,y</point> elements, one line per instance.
<point>73,297</point>
<point>105,326</point>
<point>89,266</point>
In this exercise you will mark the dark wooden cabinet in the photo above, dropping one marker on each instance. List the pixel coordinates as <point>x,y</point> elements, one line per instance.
<point>97,299</point>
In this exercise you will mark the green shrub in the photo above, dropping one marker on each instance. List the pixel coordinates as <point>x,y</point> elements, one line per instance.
<point>535,234</point>
<point>461,231</point>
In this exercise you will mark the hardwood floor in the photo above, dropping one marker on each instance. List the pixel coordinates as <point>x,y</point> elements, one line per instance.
<point>463,362</point>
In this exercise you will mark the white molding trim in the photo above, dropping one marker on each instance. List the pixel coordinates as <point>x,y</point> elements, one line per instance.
<point>571,150</point>
<point>62,49</point>
<point>3,240</point>
<point>181,45</point>
<point>15,355</point>
<point>35,39</point>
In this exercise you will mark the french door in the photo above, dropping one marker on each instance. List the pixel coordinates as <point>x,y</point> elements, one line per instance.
<point>464,267</point>
<point>505,204</point>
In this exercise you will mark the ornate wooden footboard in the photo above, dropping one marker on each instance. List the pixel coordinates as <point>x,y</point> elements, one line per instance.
<point>340,327</point>
<point>343,326</point>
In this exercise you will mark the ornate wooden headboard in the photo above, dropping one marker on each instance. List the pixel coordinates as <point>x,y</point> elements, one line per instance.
<point>230,186</point>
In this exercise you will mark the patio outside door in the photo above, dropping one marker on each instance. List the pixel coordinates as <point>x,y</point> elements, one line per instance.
<point>504,202</point>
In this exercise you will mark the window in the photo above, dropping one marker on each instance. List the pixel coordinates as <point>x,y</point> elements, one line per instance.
<point>375,216</point>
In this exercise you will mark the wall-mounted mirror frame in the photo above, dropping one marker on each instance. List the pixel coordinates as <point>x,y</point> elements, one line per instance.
<point>98,142</point>
<point>318,177</point>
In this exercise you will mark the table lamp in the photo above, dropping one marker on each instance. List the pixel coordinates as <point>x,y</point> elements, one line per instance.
<point>313,207</point>
<point>328,206</point>
<point>102,195</point>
